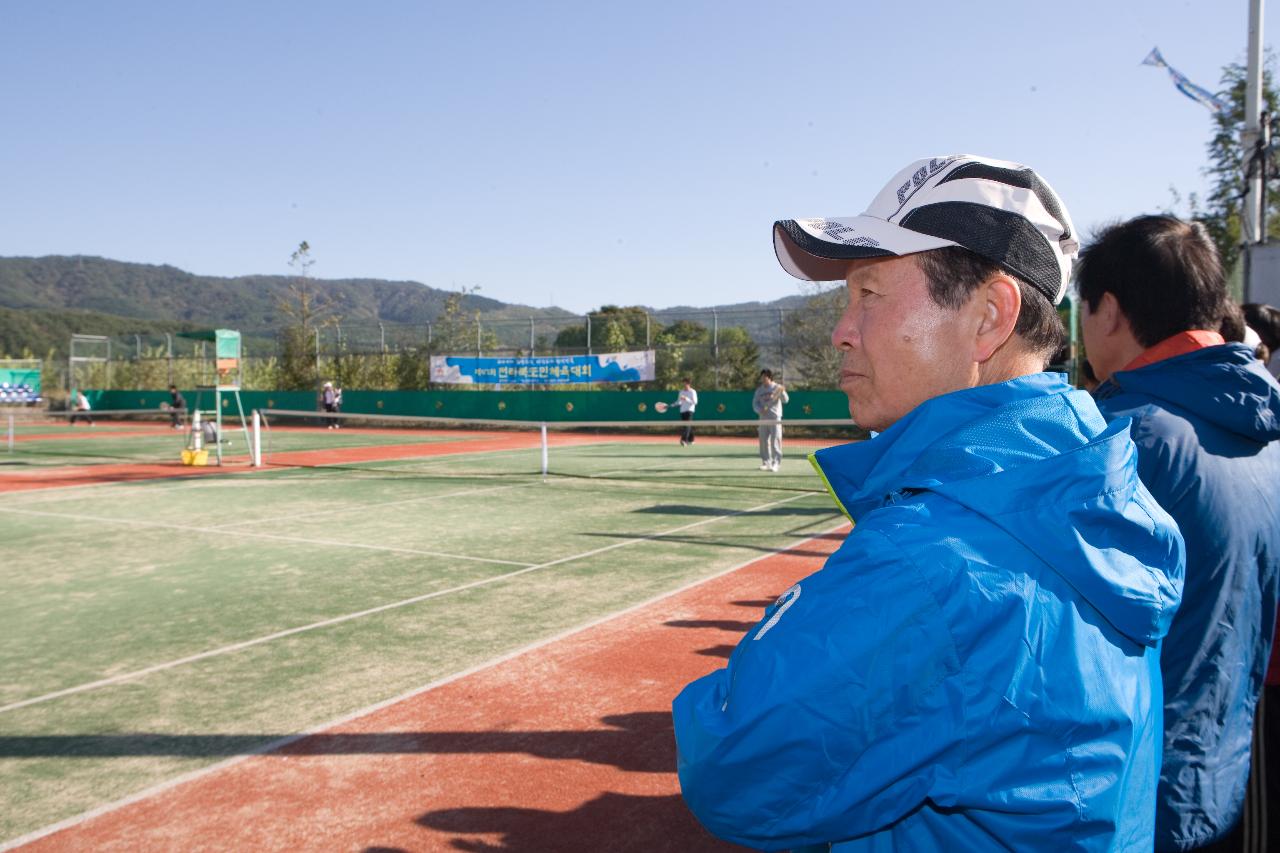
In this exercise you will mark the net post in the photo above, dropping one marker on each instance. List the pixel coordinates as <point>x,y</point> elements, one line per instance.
<point>544,449</point>
<point>255,451</point>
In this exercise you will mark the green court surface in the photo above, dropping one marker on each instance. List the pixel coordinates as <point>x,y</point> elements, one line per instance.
<point>154,627</point>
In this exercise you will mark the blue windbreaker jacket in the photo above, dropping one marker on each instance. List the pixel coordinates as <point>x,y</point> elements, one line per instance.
<point>977,667</point>
<point>1206,425</point>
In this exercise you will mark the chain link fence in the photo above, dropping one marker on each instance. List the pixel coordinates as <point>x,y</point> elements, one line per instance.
<point>718,349</point>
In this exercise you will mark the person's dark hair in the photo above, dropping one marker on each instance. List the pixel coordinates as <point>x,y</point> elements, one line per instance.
<point>955,272</point>
<point>1164,273</point>
<point>687,381</point>
<point>1265,320</point>
<point>766,372</point>
<point>1232,326</point>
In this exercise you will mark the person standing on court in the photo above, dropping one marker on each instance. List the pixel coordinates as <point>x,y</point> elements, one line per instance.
<point>329,400</point>
<point>82,408</point>
<point>1206,418</point>
<point>687,401</point>
<point>977,667</point>
<point>177,408</point>
<point>767,403</point>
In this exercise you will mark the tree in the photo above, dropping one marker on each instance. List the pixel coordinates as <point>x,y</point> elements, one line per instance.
<point>677,347</point>
<point>613,329</point>
<point>1220,212</point>
<point>454,329</point>
<point>306,311</point>
<point>807,336</point>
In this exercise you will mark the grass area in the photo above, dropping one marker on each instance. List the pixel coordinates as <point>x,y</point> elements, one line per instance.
<point>469,556</point>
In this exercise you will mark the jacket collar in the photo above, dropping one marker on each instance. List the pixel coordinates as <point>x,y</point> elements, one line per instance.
<point>864,475</point>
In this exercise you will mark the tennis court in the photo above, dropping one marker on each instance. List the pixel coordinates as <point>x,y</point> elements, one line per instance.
<point>157,626</point>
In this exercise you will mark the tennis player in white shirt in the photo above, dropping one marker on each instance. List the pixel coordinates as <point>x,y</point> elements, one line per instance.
<point>687,401</point>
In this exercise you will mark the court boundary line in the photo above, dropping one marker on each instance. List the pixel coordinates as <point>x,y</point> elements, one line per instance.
<point>324,623</point>
<point>280,743</point>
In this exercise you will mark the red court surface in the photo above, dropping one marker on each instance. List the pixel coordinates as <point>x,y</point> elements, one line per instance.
<point>567,746</point>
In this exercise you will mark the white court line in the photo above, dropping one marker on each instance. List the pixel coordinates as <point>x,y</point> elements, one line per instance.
<point>58,494</point>
<point>332,543</point>
<point>280,743</point>
<point>382,608</point>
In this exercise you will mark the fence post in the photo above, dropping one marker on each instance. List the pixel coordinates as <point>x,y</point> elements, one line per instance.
<point>530,336</point>
<point>382,333</point>
<point>588,334</point>
<point>715,345</point>
<point>782,349</point>
<point>317,330</point>
<point>168,357</point>
<point>478,349</point>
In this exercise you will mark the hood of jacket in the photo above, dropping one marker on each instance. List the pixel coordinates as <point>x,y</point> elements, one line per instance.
<point>1036,458</point>
<point>1224,385</point>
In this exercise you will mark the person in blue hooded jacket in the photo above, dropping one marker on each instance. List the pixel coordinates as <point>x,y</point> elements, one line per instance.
<point>1206,418</point>
<point>977,666</point>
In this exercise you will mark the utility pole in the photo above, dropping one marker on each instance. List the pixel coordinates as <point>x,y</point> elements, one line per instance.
<point>1251,145</point>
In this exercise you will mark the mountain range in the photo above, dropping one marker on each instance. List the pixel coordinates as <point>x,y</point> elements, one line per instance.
<point>43,300</point>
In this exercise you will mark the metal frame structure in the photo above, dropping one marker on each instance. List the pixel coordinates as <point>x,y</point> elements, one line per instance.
<point>74,358</point>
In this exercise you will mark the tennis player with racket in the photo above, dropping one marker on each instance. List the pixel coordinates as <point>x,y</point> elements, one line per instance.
<point>687,401</point>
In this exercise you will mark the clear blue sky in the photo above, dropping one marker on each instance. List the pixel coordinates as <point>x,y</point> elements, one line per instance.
<point>584,153</point>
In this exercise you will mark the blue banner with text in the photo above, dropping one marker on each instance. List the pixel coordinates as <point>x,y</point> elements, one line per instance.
<point>543,370</point>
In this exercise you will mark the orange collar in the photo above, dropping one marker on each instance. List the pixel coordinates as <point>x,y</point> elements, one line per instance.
<point>1179,344</point>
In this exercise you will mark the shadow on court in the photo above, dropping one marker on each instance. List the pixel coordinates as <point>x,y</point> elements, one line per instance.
<point>611,821</point>
<point>641,742</point>
<point>720,624</point>
<point>694,509</point>
<point>738,543</point>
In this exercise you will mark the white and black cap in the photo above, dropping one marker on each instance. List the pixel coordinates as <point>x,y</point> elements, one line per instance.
<point>1002,211</point>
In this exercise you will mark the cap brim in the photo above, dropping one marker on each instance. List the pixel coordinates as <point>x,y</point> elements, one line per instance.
<point>805,250</point>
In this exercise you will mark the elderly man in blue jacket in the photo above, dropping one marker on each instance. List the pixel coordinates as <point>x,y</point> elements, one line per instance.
<point>977,667</point>
<point>1206,418</point>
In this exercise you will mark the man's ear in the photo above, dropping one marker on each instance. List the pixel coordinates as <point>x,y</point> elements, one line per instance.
<point>999,300</point>
<point>1109,317</point>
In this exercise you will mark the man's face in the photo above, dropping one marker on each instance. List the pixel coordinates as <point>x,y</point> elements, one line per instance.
<point>900,347</point>
<point>1096,343</point>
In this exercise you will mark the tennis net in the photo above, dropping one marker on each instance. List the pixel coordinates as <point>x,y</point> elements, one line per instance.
<point>721,452</point>
<point>33,438</point>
